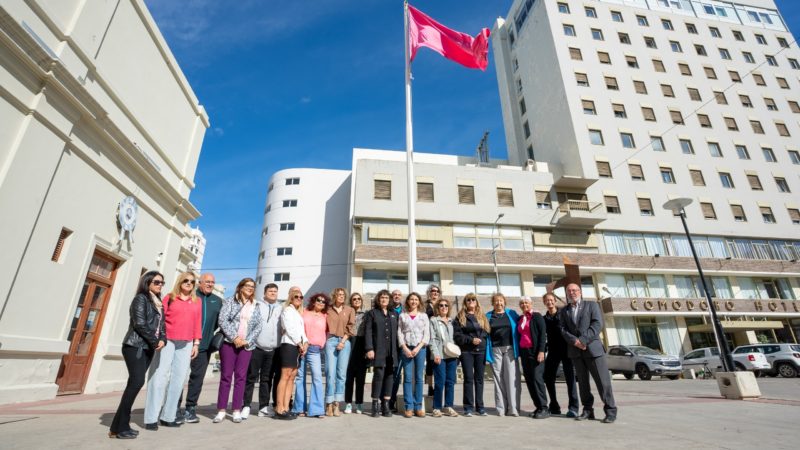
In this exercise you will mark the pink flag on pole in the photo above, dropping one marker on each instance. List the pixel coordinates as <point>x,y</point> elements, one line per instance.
<point>453,45</point>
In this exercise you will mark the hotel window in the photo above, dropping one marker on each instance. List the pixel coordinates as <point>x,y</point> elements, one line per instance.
<point>710,73</point>
<point>766,214</point>
<point>757,128</point>
<point>687,147</point>
<point>685,70</point>
<point>382,190</point>
<point>667,24</point>
<point>575,53</point>
<point>588,107</point>
<point>714,32</point>
<point>701,51</point>
<point>611,83</point>
<point>657,143</point>
<point>730,122</point>
<point>794,156</point>
<point>590,12</point>
<point>726,180</point>
<point>714,149</point>
<point>603,169</point>
<point>742,152</point>
<point>735,76</point>
<point>667,90</point>
<point>658,66</point>
<point>636,172</point>
<point>745,99</point>
<point>484,283</point>
<point>794,106</point>
<point>783,186</point>
<point>676,116</point>
<point>289,226</point>
<point>694,94</point>
<point>676,46</point>
<point>782,82</point>
<point>642,21</point>
<point>563,8</point>
<point>748,57</point>
<point>759,80</point>
<point>425,192</point>
<point>292,181</point>
<point>569,30</point>
<point>761,39</point>
<point>631,61</point>
<point>794,215</point>
<point>648,114</point>
<point>645,207</point>
<point>281,276</point>
<point>290,203</point>
<point>690,28</point>
<point>667,176</point>
<point>596,137</point>
<point>612,204</point>
<point>543,200</point>
<point>770,104</point>
<point>522,107</point>
<point>738,213</point>
<point>794,64</point>
<point>505,197</point>
<point>604,58</point>
<point>284,251</point>
<point>738,35</point>
<point>597,34</point>
<point>470,236</point>
<point>650,42</point>
<point>771,60</point>
<point>720,98</point>
<point>724,53</point>
<point>616,16</point>
<point>627,140</point>
<point>704,121</point>
<point>783,42</point>
<point>641,88</point>
<point>581,79</point>
<point>697,177</point>
<point>754,182</point>
<point>782,129</point>
<point>526,129</point>
<point>708,211</point>
<point>619,111</point>
<point>466,194</point>
<point>624,38</point>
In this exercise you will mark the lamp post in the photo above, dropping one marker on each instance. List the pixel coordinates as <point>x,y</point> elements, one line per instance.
<point>676,206</point>
<point>494,253</point>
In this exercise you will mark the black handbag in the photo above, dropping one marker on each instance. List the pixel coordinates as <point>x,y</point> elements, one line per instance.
<point>216,342</point>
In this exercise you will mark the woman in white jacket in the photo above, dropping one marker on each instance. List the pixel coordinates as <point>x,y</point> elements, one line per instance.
<point>293,345</point>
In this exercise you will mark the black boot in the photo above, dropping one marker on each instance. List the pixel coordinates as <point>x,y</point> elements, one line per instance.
<point>375,410</point>
<point>385,408</point>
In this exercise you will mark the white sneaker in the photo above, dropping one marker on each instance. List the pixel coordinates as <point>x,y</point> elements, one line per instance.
<point>245,412</point>
<point>348,408</point>
<point>219,417</point>
<point>266,412</point>
<point>359,408</point>
<point>237,417</point>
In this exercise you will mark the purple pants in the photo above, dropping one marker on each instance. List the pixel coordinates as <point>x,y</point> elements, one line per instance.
<point>235,362</point>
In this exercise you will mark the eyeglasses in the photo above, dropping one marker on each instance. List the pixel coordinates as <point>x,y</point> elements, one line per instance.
<point>157,282</point>
<point>297,296</point>
<point>443,306</point>
<point>356,298</point>
<point>434,291</point>
<point>187,281</point>
<point>320,300</point>
<point>248,286</point>
<point>471,300</point>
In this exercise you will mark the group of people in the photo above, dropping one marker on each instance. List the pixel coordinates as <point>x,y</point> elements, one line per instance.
<point>411,339</point>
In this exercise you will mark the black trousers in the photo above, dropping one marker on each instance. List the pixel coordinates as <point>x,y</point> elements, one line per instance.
<point>598,369</point>
<point>382,379</point>
<point>534,377</point>
<point>137,361</point>
<point>473,365</point>
<point>197,372</point>
<point>551,363</point>
<point>356,371</point>
<point>265,369</point>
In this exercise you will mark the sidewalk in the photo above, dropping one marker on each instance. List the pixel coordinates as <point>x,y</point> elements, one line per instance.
<point>685,414</point>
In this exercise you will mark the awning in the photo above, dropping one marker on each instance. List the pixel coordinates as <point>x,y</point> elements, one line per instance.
<point>739,325</point>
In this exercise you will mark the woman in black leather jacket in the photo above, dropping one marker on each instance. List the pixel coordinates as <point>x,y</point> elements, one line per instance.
<point>145,335</point>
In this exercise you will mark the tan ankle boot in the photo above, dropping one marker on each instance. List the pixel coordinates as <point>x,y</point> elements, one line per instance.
<point>329,409</point>
<point>335,408</point>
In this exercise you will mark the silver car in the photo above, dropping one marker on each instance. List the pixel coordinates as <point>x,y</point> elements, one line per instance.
<point>784,358</point>
<point>642,361</point>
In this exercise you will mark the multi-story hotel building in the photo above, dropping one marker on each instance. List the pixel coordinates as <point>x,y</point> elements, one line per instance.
<point>611,108</point>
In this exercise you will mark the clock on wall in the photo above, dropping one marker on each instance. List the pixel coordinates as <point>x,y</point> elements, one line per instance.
<point>126,216</point>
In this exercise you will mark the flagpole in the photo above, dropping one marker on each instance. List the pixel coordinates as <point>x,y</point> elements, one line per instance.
<point>410,182</point>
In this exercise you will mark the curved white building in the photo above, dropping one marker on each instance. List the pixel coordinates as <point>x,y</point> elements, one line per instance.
<point>306,225</point>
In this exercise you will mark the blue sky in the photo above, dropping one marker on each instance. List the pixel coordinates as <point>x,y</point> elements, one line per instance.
<point>299,83</point>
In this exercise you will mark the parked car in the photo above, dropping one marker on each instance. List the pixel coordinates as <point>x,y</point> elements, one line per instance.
<point>642,361</point>
<point>784,359</point>
<point>709,357</point>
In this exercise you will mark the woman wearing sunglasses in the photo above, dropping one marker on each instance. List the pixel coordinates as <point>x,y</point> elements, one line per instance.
<point>182,320</point>
<point>314,323</point>
<point>445,360</point>
<point>357,368</point>
<point>240,322</point>
<point>469,331</point>
<point>293,345</point>
<point>144,337</point>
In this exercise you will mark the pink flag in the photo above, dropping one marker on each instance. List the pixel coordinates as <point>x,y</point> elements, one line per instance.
<point>453,45</point>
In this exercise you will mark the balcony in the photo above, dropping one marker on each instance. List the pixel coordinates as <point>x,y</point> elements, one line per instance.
<point>580,213</point>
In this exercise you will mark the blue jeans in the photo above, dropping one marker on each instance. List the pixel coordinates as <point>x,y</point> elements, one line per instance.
<point>444,379</point>
<point>167,375</point>
<point>314,407</point>
<point>336,362</point>
<point>413,369</point>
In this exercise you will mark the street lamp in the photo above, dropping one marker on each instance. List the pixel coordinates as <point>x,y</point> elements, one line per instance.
<point>676,206</point>
<point>494,254</point>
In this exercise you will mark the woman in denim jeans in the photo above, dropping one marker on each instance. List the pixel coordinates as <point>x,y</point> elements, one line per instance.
<point>413,334</point>
<point>315,326</point>
<point>444,366</point>
<point>182,317</point>
<point>341,320</point>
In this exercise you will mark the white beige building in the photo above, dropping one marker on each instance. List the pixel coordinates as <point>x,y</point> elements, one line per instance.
<point>94,110</point>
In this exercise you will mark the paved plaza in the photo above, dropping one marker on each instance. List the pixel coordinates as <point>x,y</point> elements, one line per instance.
<point>686,414</point>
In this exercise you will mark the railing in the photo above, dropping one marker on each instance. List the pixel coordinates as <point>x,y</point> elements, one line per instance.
<point>578,205</point>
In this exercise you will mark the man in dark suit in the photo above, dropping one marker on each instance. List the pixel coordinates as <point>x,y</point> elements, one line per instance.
<point>581,323</point>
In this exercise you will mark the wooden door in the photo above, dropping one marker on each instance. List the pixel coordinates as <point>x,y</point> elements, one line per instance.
<point>87,323</point>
